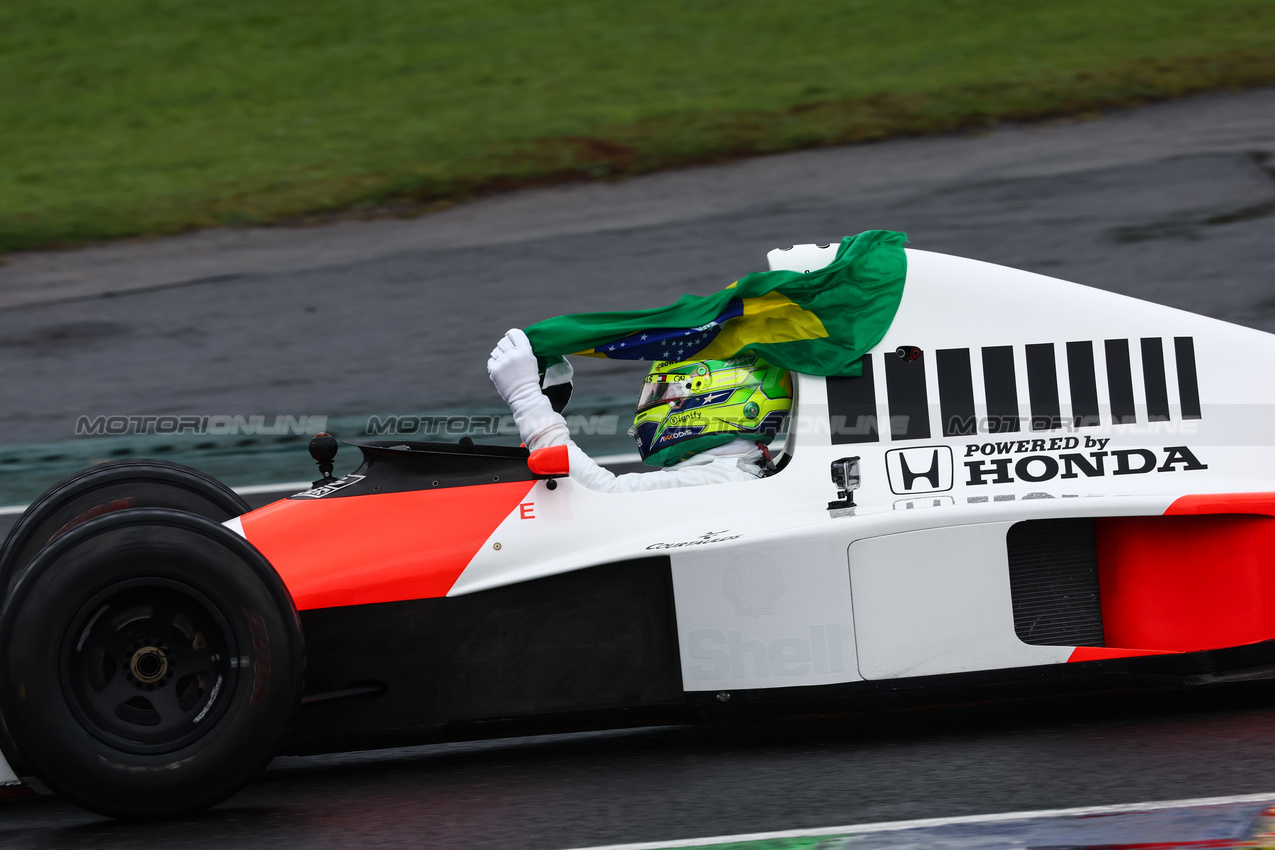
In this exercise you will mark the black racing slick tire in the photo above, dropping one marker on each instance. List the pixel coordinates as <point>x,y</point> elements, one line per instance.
<point>150,663</point>
<point>106,488</point>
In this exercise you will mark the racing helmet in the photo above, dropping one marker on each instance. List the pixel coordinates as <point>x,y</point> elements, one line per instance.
<point>692,405</point>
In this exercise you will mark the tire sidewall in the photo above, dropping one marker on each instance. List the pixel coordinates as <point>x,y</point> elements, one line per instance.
<point>261,694</point>
<point>108,488</point>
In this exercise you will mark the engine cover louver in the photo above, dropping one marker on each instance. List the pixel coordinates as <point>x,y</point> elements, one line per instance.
<point>1053,578</point>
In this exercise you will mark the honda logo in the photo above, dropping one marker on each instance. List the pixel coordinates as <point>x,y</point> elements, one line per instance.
<point>921,470</point>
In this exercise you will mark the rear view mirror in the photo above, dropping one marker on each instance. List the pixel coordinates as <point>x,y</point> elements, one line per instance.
<point>551,462</point>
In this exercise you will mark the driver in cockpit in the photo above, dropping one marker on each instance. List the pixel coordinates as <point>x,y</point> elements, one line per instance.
<point>699,421</point>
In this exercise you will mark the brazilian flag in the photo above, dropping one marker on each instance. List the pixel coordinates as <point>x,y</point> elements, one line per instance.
<point>819,322</point>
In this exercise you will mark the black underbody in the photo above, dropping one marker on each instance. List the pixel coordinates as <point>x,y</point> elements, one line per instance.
<point>601,639</point>
<point>597,648</point>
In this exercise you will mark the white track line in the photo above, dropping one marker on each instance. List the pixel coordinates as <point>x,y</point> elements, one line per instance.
<point>298,486</point>
<point>901,825</point>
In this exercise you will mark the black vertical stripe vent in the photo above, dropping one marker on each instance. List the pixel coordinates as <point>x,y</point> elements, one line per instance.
<point>956,392</point>
<point>1084,384</point>
<point>1120,381</point>
<point>1042,387</point>
<point>1053,580</point>
<point>1153,375</point>
<point>1001,386</point>
<point>852,407</point>
<point>908,399</point>
<point>1188,385</point>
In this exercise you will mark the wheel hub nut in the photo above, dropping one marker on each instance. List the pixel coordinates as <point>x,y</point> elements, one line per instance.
<point>149,664</point>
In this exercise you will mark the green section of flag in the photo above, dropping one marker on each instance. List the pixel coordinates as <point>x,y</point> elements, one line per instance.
<point>819,322</point>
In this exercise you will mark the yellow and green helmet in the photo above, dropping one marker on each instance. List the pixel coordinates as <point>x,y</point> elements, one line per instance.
<point>693,405</point>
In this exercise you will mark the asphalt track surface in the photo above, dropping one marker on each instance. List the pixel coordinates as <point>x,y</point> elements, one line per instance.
<point>1173,203</point>
<point>680,782</point>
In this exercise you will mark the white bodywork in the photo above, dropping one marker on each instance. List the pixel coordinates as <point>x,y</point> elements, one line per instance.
<point>7,776</point>
<point>773,589</point>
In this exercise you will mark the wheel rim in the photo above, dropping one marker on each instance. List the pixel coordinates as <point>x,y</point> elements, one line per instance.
<point>146,665</point>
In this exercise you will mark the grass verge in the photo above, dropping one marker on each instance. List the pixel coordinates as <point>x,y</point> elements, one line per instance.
<point>156,116</point>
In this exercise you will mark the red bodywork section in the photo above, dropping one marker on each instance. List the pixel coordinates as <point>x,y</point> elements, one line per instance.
<point>1200,577</point>
<point>356,550</point>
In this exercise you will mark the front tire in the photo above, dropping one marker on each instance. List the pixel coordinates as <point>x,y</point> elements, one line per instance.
<point>150,662</point>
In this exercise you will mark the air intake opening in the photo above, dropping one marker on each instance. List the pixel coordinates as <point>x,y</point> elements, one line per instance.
<point>1053,579</point>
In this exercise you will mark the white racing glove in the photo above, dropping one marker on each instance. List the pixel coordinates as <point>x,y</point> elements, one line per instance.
<point>513,369</point>
<point>512,366</point>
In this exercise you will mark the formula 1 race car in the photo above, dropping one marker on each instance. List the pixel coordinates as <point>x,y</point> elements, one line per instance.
<point>1031,482</point>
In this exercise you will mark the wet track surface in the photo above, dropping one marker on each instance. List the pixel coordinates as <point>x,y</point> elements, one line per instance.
<point>1175,204</point>
<point>682,782</point>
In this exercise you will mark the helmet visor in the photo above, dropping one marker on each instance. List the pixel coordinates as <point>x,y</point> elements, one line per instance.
<point>661,389</point>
